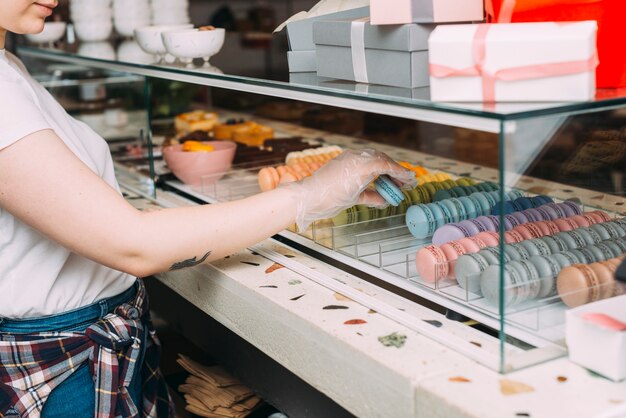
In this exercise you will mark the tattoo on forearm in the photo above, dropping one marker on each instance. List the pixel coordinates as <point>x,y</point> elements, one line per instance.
<point>189,263</point>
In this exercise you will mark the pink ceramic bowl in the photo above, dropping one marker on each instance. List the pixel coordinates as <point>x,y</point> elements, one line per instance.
<point>197,167</point>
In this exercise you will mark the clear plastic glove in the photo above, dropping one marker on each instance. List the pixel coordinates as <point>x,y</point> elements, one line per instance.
<point>343,182</point>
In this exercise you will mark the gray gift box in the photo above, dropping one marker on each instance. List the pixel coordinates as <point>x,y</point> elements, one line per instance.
<point>301,61</point>
<point>394,55</point>
<point>300,32</point>
<point>312,79</point>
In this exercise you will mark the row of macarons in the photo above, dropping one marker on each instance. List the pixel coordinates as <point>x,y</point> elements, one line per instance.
<point>401,200</point>
<point>435,262</point>
<point>531,223</point>
<point>423,220</point>
<point>479,273</point>
<point>545,276</point>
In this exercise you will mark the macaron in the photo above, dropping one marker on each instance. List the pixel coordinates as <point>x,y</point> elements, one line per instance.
<point>456,208</point>
<point>555,244</point>
<point>473,228</point>
<point>595,216</point>
<point>587,235</point>
<point>606,279</point>
<point>610,249</point>
<point>388,190</point>
<point>581,221</point>
<point>470,207</point>
<point>581,239</point>
<point>564,259</point>
<point>459,191</point>
<point>567,209</point>
<point>452,250</point>
<point>602,214</point>
<point>492,255</point>
<point>577,285</point>
<point>523,202</point>
<point>431,263</point>
<point>490,238</point>
<point>532,285</point>
<point>421,221</point>
<point>548,269</point>
<point>468,269</point>
<point>565,224</point>
<point>516,195</point>
<point>487,223</point>
<point>592,253</point>
<point>541,200</point>
<point>536,247</point>
<point>608,229</point>
<point>520,217</point>
<point>558,209</point>
<point>512,236</point>
<point>443,195</point>
<point>444,216</point>
<point>505,207</point>
<point>490,284</point>
<point>523,252</point>
<point>544,227</point>
<point>483,204</point>
<point>569,241</point>
<point>547,212</point>
<point>346,216</point>
<point>472,244</point>
<point>449,232</point>
<point>554,228</point>
<point>512,221</point>
<point>534,215</point>
<point>575,207</point>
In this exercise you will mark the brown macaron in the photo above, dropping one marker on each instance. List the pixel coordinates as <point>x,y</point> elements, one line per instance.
<point>577,285</point>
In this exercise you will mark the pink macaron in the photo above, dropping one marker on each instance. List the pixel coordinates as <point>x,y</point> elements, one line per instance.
<point>431,263</point>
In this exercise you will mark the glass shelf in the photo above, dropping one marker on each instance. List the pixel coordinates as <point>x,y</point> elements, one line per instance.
<point>406,103</point>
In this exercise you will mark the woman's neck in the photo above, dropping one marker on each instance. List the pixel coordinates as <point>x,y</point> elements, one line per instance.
<point>3,35</point>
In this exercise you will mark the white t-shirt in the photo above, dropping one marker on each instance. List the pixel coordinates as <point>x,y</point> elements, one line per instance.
<point>38,276</point>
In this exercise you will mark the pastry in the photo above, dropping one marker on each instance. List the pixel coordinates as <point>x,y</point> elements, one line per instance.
<point>225,130</point>
<point>252,134</point>
<point>195,120</point>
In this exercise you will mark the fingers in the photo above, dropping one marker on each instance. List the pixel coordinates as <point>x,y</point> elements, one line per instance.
<point>372,198</point>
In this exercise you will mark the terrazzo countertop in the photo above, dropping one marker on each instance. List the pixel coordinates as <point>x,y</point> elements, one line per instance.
<point>366,362</point>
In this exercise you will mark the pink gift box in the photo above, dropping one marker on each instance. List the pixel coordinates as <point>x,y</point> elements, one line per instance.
<point>395,12</point>
<point>513,62</point>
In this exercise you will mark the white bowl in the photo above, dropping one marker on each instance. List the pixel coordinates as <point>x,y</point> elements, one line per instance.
<point>149,37</point>
<point>52,32</point>
<point>129,51</point>
<point>126,27</point>
<point>100,50</point>
<point>93,31</point>
<point>188,44</point>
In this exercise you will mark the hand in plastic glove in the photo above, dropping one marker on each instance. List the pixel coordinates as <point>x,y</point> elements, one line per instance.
<point>343,182</point>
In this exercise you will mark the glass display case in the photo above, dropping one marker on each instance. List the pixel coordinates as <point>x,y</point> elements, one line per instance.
<point>517,217</point>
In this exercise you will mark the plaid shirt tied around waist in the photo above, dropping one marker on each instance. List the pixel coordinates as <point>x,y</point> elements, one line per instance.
<point>32,365</point>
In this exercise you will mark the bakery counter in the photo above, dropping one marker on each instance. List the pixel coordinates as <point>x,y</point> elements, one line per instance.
<point>372,363</point>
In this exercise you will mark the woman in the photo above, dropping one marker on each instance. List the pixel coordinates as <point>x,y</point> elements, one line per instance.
<point>75,337</point>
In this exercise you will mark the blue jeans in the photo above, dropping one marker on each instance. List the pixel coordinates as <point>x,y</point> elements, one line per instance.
<point>75,397</point>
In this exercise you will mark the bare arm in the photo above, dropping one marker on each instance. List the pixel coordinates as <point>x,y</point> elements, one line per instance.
<point>46,186</point>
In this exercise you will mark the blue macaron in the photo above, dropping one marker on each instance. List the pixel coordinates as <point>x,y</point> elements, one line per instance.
<point>388,190</point>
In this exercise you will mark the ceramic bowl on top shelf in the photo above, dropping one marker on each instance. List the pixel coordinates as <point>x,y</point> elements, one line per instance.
<point>198,168</point>
<point>52,32</point>
<point>150,40</point>
<point>187,44</point>
<point>88,31</point>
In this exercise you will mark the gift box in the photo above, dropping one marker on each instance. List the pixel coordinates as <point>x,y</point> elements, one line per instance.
<point>358,51</point>
<point>300,32</point>
<point>514,62</point>
<point>301,61</point>
<point>395,12</point>
<point>594,346</point>
<point>609,14</point>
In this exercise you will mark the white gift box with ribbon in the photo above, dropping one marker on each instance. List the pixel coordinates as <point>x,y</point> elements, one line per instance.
<point>394,12</point>
<point>357,51</point>
<point>514,62</point>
